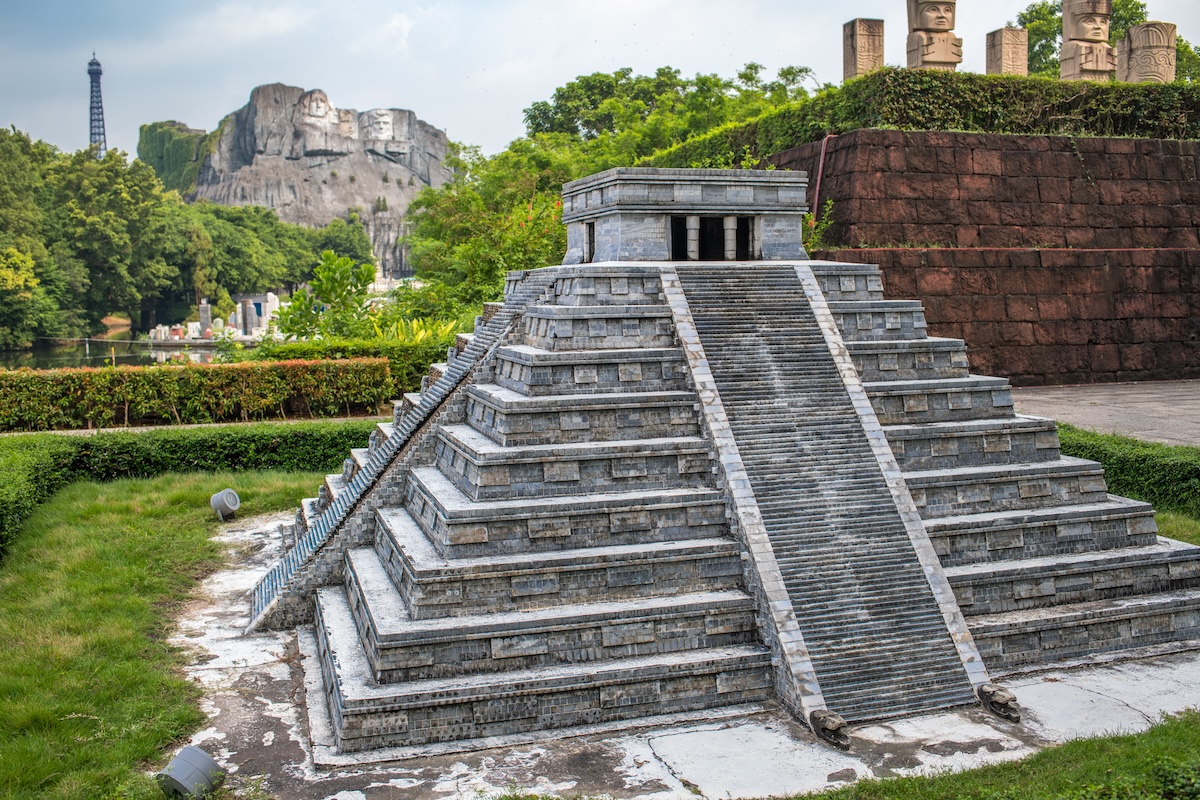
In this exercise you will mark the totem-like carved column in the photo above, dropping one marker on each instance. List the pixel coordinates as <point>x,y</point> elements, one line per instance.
<point>862,47</point>
<point>1008,52</point>
<point>1147,54</point>
<point>1086,54</point>
<point>931,40</point>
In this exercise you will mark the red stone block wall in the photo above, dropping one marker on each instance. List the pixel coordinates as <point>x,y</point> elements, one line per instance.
<point>896,188</point>
<point>1051,316</point>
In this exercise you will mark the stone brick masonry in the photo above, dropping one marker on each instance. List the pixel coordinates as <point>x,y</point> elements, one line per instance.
<point>1058,260</point>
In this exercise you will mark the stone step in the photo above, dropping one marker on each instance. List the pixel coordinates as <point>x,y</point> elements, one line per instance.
<point>951,445</point>
<point>368,715</point>
<point>305,514</point>
<point>910,359</point>
<point>510,418</point>
<point>608,286</point>
<point>537,372</point>
<point>904,402</point>
<point>1002,536</point>
<point>361,456</point>
<point>1043,636</point>
<point>399,648</point>
<point>484,470</point>
<point>879,319</point>
<point>461,527</point>
<point>1085,577</point>
<point>848,282</point>
<point>433,586</point>
<point>436,371</point>
<point>408,402</point>
<point>462,341</point>
<point>599,327</point>
<point>1006,487</point>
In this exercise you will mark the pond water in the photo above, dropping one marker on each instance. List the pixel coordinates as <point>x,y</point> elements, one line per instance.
<point>102,353</point>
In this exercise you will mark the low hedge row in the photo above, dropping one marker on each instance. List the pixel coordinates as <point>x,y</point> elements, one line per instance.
<point>408,361</point>
<point>1166,477</point>
<point>33,400</point>
<point>34,467</point>
<point>930,100</point>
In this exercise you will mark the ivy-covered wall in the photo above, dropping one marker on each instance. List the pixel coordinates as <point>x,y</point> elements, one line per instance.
<point>927,100</point>
<point>176,152</point>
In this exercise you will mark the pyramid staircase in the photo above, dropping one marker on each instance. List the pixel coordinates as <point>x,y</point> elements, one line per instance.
<point>550,534</point>
<point>1047,567</point>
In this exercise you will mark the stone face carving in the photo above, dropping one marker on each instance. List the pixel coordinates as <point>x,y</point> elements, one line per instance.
<point>294,151</point>
<point>862,41</point>
<point>1086,54</point>
<point>1147,54</point>
<point>1008,52</point>
<point>931,40</point>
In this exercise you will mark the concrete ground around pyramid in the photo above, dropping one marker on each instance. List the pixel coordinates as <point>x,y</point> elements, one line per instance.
<point>259,728</point>
<point>1158,411</point>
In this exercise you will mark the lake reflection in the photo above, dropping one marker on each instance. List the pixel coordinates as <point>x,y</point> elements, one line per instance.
<point>102,353</point>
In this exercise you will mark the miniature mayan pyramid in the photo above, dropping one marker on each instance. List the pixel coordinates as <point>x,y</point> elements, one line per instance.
<point>692,472</point>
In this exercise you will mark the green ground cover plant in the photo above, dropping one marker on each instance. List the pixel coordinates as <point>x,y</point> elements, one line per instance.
<point>33,467</point>
<point>90,690</point>
<point>89,397</point>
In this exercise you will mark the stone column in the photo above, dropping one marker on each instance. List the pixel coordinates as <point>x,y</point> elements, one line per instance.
<point>931,40</point>
<point>862,47</point>
<point>693,238</point>
<point>1086,54</point>
<point>730,238</point>
<point>1147,54</point>
<point>1008,52</point>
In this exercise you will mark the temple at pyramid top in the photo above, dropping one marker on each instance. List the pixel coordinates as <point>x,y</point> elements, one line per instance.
<point>647,214</point>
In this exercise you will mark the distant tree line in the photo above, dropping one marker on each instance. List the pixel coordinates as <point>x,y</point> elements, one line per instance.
<point>82,238</point>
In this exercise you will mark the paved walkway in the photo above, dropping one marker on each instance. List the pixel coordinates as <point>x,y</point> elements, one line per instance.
<point>1159,411</point>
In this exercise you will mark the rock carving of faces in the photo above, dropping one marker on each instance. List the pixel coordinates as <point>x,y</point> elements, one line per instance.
<point>379,124</point>
<point>936,17</point>
<point>1092,27</point>
<point>316,104</point>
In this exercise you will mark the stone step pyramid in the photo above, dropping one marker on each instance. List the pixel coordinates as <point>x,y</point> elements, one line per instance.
<point>648,487</point>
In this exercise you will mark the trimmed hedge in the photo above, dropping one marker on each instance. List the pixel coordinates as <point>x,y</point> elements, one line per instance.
<point>34,467</point>
<point>105,397</point>
<point>930,100</point>
<point>1164,476</point>
<point>408,361</point>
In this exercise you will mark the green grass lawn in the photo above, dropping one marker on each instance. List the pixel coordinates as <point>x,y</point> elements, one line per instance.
<point>90,691</point>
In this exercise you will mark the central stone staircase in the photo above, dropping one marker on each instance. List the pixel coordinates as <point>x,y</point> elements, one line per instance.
<point>878,642</point>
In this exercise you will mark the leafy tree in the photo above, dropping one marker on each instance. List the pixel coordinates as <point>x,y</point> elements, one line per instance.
<point>334,305</point>
<point>345,238</point>
<point>19,299</point>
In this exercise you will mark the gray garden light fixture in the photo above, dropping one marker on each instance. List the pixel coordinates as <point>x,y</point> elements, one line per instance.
<point>192,773</point>
<point>226,503</point>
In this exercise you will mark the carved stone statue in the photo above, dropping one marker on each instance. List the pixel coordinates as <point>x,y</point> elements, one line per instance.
<point>316,128</point>
<point>1147,54</point>
<point>378,125</point>
<point>862,41</point>
<point>931,40</point>
<point>1086,54</point>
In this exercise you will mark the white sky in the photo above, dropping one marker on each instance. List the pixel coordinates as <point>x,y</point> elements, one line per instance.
<point>466,66</point>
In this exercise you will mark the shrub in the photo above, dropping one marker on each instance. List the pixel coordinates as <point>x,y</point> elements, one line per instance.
<point>34,467</point>
<point>408,360</point>
<point>1167,477</point>
<point>949,101</point>
<point>104,397</point>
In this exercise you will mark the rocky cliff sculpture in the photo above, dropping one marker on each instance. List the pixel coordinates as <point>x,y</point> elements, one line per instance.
<point>931,40</point>
<point>1086,54</point>
<point>293,151</point>
<point>1147,54</point>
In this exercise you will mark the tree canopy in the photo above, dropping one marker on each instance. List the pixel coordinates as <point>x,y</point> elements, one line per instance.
<point>83,237</point>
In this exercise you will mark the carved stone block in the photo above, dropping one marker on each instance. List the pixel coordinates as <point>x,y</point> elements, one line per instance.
<point>1086,54</point>
<point>1008,52</point>
<point>862,47</point>
<point>1147,54</point>
<point>931,40</point>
